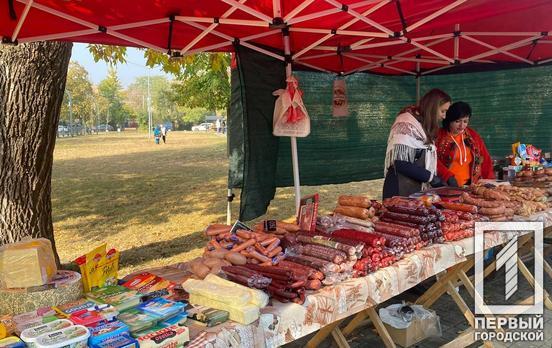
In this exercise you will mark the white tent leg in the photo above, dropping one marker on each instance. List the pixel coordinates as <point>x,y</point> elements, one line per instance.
<point>229,199</point>
<point>294,156</point>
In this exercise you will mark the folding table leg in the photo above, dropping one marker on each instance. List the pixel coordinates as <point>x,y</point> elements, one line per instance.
<point>355,322</point>
<point>380,328</point>
<point>321,335</point>
<point>531,280</point>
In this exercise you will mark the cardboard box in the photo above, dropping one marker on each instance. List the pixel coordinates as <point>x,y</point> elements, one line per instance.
<point>417,331</point>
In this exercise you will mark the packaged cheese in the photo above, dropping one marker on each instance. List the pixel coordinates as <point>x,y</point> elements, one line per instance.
<point>27,263</point>
<point>245,314</point>
<point>164,337</point>
<point>219,292</point>
<point>259,298</point>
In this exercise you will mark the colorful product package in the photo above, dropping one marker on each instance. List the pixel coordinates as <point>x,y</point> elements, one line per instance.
<point>71,337</point>
<point>137,320</point>
<point>66,309</point>
<point>118,341</point>
<point>11,342</point>
<point>164,337</point>
<point>7,326</point>
<point>162,308</point>
<point>106,331</point>
<point>27,263</point>
<point>35,318</point>
<point>99,268</point>
<point>91,317</point>
<point>146,282</point>
<point>118,296</point>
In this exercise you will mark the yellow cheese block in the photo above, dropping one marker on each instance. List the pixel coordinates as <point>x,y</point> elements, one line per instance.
<point>222,293</point>
<point>259,298</point>
<point>27,263</point>
<point>244,315</point>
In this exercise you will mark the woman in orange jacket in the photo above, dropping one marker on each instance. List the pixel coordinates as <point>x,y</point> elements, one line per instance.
<point>462,157</point>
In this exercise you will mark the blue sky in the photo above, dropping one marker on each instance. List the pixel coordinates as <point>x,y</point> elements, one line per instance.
<point>134,68</point>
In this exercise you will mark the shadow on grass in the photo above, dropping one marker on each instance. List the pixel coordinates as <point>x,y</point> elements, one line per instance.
<point>160,250</point>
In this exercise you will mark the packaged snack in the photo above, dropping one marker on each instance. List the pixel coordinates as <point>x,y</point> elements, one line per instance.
<point>137,320</point>
<point>27,263</point>
<point>71,337</point>
<point>35,318</point>
<point>91,317</point>
<point>99,268</point>
<point>162,308</point>
<point>66,309</point>
<point>107,331</point>
<point>30,335</point>
<point>118,296</point>
<point>179,319</point>
<point>118,341</point>
<point>164,337</point>
<point>11,342</point>
<point>7,326</point>
<point>146,282</point>
<point>207,316</point>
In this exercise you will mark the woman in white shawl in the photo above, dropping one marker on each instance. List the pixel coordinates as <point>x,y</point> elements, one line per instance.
<point>411,157</point>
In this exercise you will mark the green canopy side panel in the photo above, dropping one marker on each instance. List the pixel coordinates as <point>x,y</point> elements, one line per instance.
<point>507,105</point>
<point>252,148</point>
<point>351,148</point>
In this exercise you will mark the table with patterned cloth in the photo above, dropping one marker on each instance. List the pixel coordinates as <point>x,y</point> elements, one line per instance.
<point>282,323</point>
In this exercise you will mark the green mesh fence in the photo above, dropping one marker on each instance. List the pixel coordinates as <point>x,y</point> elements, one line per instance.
<point>508,106</point>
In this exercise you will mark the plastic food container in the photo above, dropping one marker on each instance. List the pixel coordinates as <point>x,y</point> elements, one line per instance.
<point>30,335</point>
<point>107,331</point>
<point>71,337</point>
<point>11,342</point>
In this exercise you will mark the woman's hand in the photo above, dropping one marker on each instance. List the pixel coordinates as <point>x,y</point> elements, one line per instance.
<point>452,182</point>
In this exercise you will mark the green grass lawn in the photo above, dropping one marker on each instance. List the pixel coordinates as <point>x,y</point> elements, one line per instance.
<point>150,201</point>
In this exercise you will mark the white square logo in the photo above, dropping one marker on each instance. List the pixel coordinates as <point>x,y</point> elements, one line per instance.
<point>507,258</point>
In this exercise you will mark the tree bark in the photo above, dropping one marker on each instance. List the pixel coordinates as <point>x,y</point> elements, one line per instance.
<point>32,83</point>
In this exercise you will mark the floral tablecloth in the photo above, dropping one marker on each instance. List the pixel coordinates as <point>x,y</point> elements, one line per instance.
<point>285,322</point>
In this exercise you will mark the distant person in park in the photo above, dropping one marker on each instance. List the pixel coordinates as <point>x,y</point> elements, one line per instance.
<point>462,157</point>
<point>217,125</point>
<point>223,126</point>
<point>411,156</point>
<point>164,134</point>
<point>157,134</point>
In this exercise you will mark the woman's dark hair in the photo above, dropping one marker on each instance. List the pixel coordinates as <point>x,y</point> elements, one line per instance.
<point>429,109</point>
<point>457,111</point>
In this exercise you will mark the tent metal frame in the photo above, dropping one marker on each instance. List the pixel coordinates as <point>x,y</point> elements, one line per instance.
<point>306,56</point>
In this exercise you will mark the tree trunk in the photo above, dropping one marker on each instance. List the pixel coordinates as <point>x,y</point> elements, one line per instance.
<point>32,83</point>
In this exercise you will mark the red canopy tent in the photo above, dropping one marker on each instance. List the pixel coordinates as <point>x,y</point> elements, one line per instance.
<point>347,36</point>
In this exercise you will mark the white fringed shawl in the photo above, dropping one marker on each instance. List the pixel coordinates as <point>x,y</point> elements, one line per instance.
<point>405,137</point>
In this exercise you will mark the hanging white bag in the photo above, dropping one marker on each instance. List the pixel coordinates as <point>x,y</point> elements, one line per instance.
<point>291,118</point>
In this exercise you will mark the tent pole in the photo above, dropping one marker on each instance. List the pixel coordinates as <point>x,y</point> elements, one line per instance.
<point>418,77</point>
<point>294,156</point>
<point>229,200</point>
